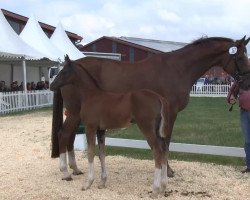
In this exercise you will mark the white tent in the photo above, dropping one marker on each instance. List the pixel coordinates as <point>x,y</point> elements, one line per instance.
<point>15,54</point>
<point>35,37</point>
<point>60,39</point>
<point>11,43</point>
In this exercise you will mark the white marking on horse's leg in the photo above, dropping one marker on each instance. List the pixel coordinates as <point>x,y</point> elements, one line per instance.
<point>157,182</point>
<point>72,163</point>
<point>63,167</point>
<point>164,177</point>
<point>162,122</point>
<point>91,176</point>
<point>103,172</point>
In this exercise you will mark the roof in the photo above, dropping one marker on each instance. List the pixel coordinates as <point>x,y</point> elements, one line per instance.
<point>154,46</point>
<point>160,45</point>
<point>24,19</point>
<point>33,35</point>
<point>11,45</point>
<point>60,40</point>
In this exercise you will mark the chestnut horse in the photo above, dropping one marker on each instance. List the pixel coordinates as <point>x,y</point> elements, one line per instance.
<point>101,110</point>
<point>170,74</point>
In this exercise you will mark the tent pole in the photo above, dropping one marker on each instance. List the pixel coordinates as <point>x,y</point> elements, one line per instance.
<point>24,75</point>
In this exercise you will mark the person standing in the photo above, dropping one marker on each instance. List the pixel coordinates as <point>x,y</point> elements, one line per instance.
<point>242,92</point>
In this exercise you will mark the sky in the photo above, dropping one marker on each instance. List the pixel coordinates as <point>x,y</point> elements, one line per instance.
<point>169,20</point>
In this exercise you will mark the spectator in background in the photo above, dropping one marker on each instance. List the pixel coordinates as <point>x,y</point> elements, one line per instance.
<point>33,86</point>
<point>29,88</point>
<point>3,87</point>
<point>14,86</point>
<point>206,80</point>
<point>20,87</point>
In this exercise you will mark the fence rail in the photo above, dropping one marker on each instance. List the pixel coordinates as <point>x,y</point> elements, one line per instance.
<point>81,144</point>
<point>19,101</point>
<point>210,90</point>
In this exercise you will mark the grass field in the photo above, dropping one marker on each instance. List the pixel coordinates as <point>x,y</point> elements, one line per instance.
<point>203,121</point>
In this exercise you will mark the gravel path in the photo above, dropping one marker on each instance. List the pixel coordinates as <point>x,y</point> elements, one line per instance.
<point>28,172</point>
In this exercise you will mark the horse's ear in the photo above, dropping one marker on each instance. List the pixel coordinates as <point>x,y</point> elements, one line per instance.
<point>241,41</point>
<point>246,41</point>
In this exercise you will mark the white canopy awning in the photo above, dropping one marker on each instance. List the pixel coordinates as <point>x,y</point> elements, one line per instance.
<point>35,37</point>
<point>11,45</point>
<point>60,39</point>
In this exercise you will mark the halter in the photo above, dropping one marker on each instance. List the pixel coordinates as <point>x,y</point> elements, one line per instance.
<point>233,56</point>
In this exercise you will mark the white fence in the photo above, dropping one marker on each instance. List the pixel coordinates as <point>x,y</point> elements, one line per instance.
<point>81,144</point>
<point>19,101</point>
<point>210,90</point>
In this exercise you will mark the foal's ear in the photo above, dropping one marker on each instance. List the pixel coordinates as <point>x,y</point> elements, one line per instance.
<point>66,58</point>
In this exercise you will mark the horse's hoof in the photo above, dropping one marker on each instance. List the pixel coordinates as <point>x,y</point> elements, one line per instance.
<point>67,178</point>
<point>77,172</point>
<point>101,186</point>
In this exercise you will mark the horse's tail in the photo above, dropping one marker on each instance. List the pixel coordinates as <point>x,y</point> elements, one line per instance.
<point>57,122</point>
<point>164,122</point>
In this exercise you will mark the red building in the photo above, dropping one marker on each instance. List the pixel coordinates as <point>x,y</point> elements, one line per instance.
<point>136,49</point>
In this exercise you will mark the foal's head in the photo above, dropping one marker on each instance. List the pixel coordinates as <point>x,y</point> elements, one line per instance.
<point>66,76</point>
<point>75,74</point>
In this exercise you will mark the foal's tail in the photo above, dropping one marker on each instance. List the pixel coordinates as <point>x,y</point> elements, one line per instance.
<point>164,122</point>
<point>57,122</point>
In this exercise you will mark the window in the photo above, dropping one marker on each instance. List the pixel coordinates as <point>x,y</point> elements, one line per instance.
<point>114,47</point>
<point>131,54</point>
<point>94,47</point>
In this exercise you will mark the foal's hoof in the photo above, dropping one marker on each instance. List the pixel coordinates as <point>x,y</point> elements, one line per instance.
<point>67,178</point>
<point>79,172</point>
<point>170,173</point>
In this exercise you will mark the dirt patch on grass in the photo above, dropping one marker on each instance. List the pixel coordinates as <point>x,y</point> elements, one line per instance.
<point>28,172</point>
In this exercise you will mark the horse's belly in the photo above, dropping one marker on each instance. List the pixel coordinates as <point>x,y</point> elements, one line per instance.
<point>115,122</point>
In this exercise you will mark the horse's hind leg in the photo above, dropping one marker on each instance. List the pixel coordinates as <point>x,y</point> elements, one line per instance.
<point>65,133</point>
<point>90,134</point>
<point>101,145</point>
<point>71,155</point>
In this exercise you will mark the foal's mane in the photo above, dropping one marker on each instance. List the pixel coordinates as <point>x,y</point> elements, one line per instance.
<point>89,75</point>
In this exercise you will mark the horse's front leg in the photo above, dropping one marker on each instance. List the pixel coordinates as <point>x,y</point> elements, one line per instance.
<point>65,133</point>
<point>90,134</point>
<point>101,145</point>
<point>71,155</point>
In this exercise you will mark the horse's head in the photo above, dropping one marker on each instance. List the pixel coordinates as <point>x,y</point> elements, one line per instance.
<point>65,76</point>
<point>235,59</point>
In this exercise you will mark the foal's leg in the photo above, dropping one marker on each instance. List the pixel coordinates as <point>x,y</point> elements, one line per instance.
<point>101,145</point>
<point>71,155</point>
<point>157,153</point>
<point>90,134</point>
<point>65,133</point>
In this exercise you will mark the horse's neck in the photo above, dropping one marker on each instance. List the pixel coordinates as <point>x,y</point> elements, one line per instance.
<point>199,59</point>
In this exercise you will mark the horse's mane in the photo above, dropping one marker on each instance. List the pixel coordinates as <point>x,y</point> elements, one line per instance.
<point>205,40</point>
